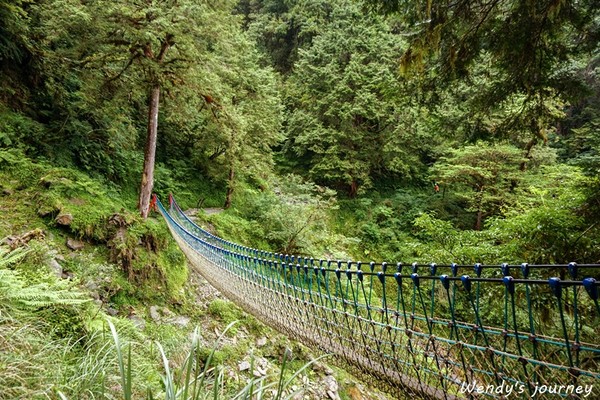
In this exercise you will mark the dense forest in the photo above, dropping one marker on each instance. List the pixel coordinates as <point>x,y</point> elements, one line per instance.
<point>387,130</point>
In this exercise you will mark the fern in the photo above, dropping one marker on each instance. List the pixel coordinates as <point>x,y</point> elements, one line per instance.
<point>16,294</point>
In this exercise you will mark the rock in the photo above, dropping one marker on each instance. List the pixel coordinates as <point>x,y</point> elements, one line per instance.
<point>64,219</point>
<point>262,363</point>
<point>75,244</point>
<point>67,275</point>
<point>92,286</point>
<point>180,320</point>
<point>258,372</point>
<point>17,241</point>
<point>44,212</point>
<point>138,322</point>
<point>244,366</point>
<point>333,395</point>
<point>262,341</point>
<point>331,387</point>
<point>167,313</point>
<point>111,311</point>
<point>56,268</point>
<point>154,314</point>
<point>98,303</point>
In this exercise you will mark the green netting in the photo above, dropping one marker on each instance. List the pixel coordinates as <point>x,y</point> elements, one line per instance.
<point>432,330</point>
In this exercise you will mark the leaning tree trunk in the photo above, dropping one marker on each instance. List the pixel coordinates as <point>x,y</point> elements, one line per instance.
<point>229,188</point>
<point>149,153</point>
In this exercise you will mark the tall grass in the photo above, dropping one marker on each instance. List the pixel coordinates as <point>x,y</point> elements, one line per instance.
<point>199,379</point>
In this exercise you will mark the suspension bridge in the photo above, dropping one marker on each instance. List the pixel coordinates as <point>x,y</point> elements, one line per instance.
<point>432,331</point>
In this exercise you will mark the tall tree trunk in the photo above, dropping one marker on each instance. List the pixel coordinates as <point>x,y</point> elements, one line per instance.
<point>229,188</point>
<point>149,153</point>
<point>528,149</point>
<point>479,220</point>
<point>353,190</point>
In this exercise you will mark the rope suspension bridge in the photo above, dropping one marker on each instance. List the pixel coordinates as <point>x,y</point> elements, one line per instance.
<point>434,331</point>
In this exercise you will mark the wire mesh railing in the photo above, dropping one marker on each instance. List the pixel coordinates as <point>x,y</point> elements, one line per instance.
<point>438,331</point>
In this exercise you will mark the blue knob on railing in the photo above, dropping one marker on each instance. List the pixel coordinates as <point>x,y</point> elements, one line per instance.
<point>415,267</point>
<point>478,268</point>
<point>359,274</point>
<point>399,267</point>
<point>509,283</point>
<point>358,265</point>
<point>556,286</point>
<point>338,273</point>
<point>339,263</point>
<point>505,269</point>
<point>349,273</point>
<point>398,277</point>
<point>466,280</point>
<point>525,270</point>
<point>381,277</point>
<point>433,269</point>
<point>454,269</point>
<point>445,281</point>
<point>372,266</point>
<point>384,267</point>
<point>415,278</point>
<point>573,270</point>
<point>590,287</point>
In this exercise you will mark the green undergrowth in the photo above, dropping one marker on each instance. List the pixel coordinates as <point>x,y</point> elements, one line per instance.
<point>58,343</point>
<point>56,304</point>
<point>65,203</point>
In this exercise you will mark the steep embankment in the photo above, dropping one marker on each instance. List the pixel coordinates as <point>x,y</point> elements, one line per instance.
<point>74,259</point>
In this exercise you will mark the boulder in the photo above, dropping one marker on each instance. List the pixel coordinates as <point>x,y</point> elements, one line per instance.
<point>138,322</point>
<point>244,366</point>
<point>75,244</point>
<point>111,311</point>
<point>180,320</point>
<point>331,387</point>
<point>64,219</point>
<point>56,268</point>
<point>154,314</point>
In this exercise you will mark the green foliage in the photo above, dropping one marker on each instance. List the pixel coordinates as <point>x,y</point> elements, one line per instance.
<point>224,310</point>
<point>16,295</point>
<point>546,226</point>
<point>343,124</point>
<point>485,176</point>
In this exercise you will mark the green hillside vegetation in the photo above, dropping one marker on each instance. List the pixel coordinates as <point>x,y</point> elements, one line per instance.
<point>339,129</point>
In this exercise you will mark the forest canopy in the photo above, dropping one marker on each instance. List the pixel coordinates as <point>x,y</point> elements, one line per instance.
<point>468,115</point>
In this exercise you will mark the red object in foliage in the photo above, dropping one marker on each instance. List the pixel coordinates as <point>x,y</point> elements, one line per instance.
<point>436,188</point>
<point>152,206</point>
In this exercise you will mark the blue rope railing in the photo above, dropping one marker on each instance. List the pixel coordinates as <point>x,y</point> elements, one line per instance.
<point>439,331</point>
